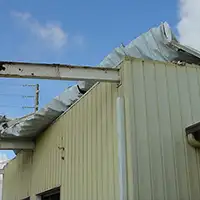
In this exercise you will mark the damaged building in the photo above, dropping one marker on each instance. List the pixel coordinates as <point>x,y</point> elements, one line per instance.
<point>134,136</point>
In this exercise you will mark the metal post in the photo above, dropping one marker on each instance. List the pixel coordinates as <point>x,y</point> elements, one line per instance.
<point>37,98</point>
<point>121,147</point>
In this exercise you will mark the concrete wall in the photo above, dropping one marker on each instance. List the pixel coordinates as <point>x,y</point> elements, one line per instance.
<point>161,100</point>
<point>87,168</point>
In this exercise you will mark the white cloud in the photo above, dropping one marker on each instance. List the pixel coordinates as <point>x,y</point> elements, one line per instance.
<point>3,161</point>
<point>189,26</point>
<point>50,32</point>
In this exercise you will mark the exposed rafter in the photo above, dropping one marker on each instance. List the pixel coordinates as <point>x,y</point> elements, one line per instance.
<point>16,145</point>
<point>57,72</point>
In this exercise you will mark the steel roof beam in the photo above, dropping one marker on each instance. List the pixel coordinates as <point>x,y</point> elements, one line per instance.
<point>16,145</point>
<point>57,72</point>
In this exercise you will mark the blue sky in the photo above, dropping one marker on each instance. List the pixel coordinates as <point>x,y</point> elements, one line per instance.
<point>73,32</point>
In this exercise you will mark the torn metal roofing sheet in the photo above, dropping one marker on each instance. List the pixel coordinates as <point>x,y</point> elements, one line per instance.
<point>159,43</point>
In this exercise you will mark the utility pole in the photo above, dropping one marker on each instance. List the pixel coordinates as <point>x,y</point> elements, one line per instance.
<point>37,98</point>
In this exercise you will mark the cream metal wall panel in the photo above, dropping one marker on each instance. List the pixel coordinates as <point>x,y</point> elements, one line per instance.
<point>47,161</point>
<point>161,100</point>
<point>33,173</point>
<point>78,152</point>
<point>17,177</point>
<point>91,147</point>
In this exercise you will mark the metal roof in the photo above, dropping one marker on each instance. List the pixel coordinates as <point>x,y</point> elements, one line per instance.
<point>158,43</point>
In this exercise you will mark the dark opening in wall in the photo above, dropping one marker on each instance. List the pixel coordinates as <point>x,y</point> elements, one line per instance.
<point>51,197</point>
<point>53,194</point>
<point>193,135</point>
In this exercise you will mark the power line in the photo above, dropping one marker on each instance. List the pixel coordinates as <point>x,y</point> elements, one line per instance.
<point>10,84</point>
<point>20,95</point>
<point>9,106</point>
<point>7,93</point>
<point>29,85</point>
<point>15,106</point>
<point>17,84</point>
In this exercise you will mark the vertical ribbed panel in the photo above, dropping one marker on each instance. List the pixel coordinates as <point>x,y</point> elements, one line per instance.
<point>17,178</point>
<point>87,168</point>
<point>91,153</point>
<point>161,101</point>
<point>47,161</point>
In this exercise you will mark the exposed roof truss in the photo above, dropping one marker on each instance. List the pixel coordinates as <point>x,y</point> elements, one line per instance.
<point>57,72</point>
<point>16,145</point>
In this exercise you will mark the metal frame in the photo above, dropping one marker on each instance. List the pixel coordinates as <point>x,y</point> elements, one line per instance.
<point>190,50</point>
<point>16,145</point>
<point>57,72</point>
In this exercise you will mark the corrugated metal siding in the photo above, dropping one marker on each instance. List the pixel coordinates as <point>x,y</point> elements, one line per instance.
<point>91,151</point>
<point>47,162</point>
<point>87,168</point>
<point>161,100</point>
<point>17,177</point>
<point>33,173</point>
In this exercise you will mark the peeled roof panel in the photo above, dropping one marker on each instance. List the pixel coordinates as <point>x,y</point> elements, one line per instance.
<point>159,44</point>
